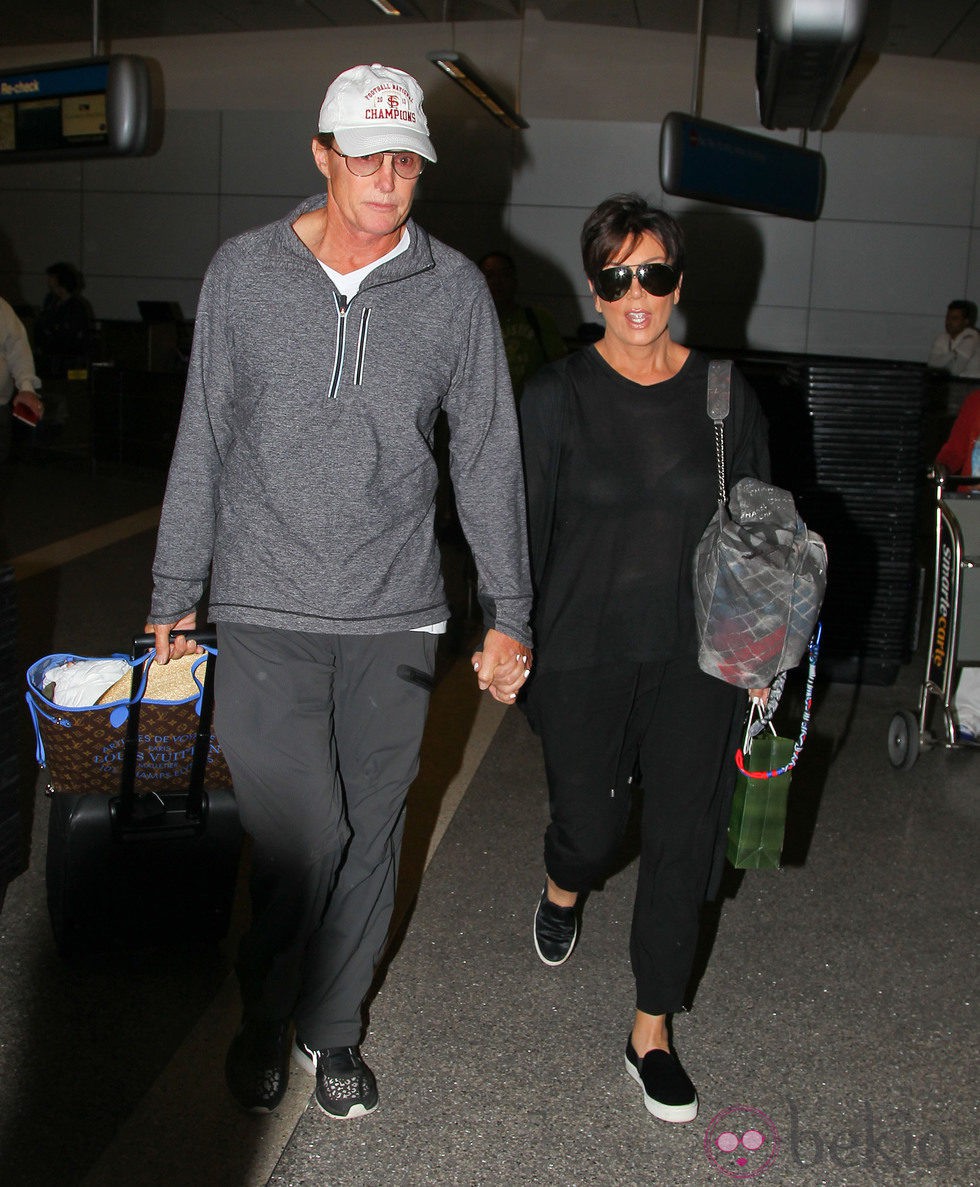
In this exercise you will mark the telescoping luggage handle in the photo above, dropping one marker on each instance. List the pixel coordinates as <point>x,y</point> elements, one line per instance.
<point>206,637</point>
<point>813,650</point>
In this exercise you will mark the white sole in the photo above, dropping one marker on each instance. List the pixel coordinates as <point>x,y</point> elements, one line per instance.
<point>552,964</point>
<point>303,1061</point>
<point>356,1111</point>
<point>675,1114</point>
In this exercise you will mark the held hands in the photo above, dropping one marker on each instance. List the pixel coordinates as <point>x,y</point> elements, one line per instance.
<point>167,649</point>
<point>502,666</point>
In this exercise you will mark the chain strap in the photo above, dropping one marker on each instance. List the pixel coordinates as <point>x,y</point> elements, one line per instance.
<point>813,650</point>
<point>718,402</point>
<point>720,459</point>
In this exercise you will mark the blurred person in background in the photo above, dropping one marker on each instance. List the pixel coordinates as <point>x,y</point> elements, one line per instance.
<point>531,337</point>
<point>956,351</point>
<point>19,382</point>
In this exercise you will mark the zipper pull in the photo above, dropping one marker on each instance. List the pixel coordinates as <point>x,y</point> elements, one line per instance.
<point>338,362</point>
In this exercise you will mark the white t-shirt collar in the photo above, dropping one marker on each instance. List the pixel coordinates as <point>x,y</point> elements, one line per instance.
<point>350,282</point>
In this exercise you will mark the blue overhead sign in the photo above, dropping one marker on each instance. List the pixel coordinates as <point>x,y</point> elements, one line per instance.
<point>95,107</point>
<point>716,163</point>
<point>41,82</point>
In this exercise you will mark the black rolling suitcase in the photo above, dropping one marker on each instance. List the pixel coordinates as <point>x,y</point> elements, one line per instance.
<point>152,868</point>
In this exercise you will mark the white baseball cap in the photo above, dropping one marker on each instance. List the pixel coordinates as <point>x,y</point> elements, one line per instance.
<point>376,108</point>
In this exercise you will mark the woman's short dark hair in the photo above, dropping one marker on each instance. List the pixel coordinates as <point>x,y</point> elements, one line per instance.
<point>622,220</point>
<point>67,276</point>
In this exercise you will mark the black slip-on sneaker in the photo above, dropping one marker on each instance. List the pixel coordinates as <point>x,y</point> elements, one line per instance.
<point>667,1089</point>
<point>555,930</point>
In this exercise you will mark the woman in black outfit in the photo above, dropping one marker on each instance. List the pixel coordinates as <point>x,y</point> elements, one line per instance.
<point>621,482</point>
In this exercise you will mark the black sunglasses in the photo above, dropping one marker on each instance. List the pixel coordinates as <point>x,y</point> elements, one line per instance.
<point>615,282</point>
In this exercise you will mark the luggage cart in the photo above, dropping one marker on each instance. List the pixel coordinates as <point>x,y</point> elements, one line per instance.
<point>955,623</point>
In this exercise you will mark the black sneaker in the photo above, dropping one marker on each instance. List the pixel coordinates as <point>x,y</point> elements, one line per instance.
<point>345,1085</point>
<point>555,930</point>
<point>667,1089</point>
<point>257,1065</point>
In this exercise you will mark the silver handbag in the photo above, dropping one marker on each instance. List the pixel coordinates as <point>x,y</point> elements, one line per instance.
<point>759,573</point>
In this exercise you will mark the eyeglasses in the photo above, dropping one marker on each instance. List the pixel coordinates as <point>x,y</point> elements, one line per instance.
<point>408,165</point>
<point>615,282</point>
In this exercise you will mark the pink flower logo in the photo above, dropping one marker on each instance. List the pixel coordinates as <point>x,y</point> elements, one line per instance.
<point>741,1142</point>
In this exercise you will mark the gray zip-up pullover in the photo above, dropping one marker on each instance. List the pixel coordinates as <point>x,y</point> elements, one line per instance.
<point>303,479</point>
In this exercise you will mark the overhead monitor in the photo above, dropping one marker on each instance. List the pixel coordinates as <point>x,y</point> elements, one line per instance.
<point>88,108</point>
<point>804,51</point>
<point>716,163</point>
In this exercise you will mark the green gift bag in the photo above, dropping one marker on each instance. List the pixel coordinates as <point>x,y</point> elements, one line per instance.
<point>765,762</point>
<point>758,820</point>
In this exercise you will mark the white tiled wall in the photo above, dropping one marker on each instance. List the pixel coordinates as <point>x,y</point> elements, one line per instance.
<point>898,238</point>
<point>239,212</point>
<point>896,242</point>
<point>889,268</point>
<point>40,225</point>
<point>926,180</point>
<point>267,152</point>
<point>187,161</point>
<point>578,163</point>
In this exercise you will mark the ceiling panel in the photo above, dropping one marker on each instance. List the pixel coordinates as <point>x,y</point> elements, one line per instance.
<point>948,29</point>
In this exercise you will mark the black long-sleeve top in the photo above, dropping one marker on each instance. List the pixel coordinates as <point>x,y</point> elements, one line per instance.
<point>621,482</point>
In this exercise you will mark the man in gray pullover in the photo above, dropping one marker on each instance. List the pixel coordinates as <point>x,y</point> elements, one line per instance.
<point>301,493</point>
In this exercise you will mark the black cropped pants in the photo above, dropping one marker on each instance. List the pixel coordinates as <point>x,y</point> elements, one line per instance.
<point>672,723</point>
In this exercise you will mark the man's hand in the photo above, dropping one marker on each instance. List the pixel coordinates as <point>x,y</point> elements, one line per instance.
<point>502,666</point>
<point>28,399</point>
<point>182,645</point>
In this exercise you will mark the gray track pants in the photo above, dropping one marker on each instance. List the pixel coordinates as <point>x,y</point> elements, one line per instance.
<point>322,737</point>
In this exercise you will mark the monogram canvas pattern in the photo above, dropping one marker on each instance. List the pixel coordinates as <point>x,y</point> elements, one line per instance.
<point>82,749</point>
<point>759,582</point>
